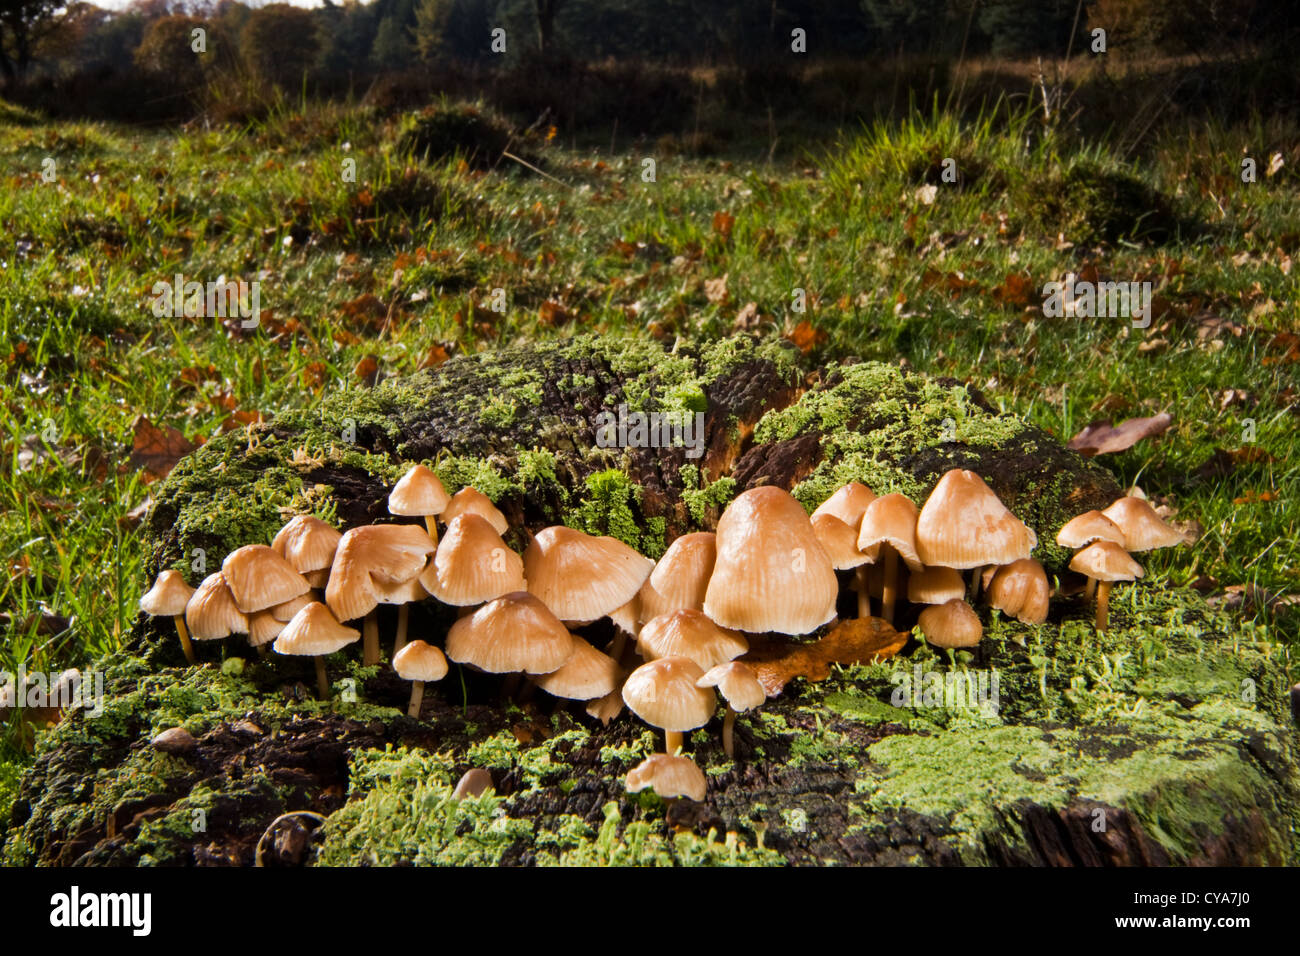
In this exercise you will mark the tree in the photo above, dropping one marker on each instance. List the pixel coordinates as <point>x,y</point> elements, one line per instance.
<point>391,48</point>
<point>280,43</point>
<point>546,11</point>
<point>22,24</point>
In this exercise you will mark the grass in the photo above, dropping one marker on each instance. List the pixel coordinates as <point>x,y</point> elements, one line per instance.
<point>895,263</point>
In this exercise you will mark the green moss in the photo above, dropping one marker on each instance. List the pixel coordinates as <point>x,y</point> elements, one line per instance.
<point>612,507</point>
<point>701,501</point>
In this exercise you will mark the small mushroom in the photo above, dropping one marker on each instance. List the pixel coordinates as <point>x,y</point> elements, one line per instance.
<point>847,506</point>
<point>664,694</point>
<point>419,494</point>
<point>314,632</point>
<point>741,689</point>
<point>211,613</point>
<point>470,500</point>
<point>669,776</point>
<point>168,597</point>
<point>889,526</point>
<point>690,634</point>
<point>419,662</point>
<point>587,675</point>
<point>308,544</point>
<point>1105,562</point>
<point>952,624</point>
<point>1021,590</point>
<point>473,783</point>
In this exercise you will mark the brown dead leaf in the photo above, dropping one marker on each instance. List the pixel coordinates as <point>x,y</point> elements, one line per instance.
<point>805,337</point>
<point>367,369</point>
<point>1100,438</point>
<point>1016,290</point>
<point>552,313</point>
<point>436,355</point>
<point>747,318</point>
<point>723,223</point>
<point>857,641</point>
<point>154,450</point>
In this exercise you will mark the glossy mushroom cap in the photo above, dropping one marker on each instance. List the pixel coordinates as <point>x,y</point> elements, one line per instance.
<point>470,500</point>
<point>211,613</point>
<point>952,624</point>
<point>259,578</point>
<point>690,634</point>
<point>1106,561</point>
<point>664,694</point>
<point>372,563</point>
<point>772,574</point>
<point>840,542</point>
<point>515,632</point>
<point>891,519</point>
<point>681,578</point>
<point>738,684</point>
<point>848,503</point>
<point>418,494</point>
<point>1021,590</point>
<point>1143,528</point>
<point>314,632</point>
<point>587,675</point>
<point>935,586</point>
<point>669,777</point>
<point>168,596</point>
<point>307,543</point>
<point>581,577</point>
<point>418,660</point>
<point>472,565</point>
<point>1081,531</point>
<point>964,525</point>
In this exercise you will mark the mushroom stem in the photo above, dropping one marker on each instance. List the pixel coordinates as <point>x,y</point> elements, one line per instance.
<point>890,595</point>
<point>322,682</point>
<point>417,698</point>
<point>864,596</point>
<point>672,742</point>
<point>1091,590</point>
<point>370,645</point>
<point>620,641</point>
<point>729,732</point>
<point>403,616</point>
<point>976,575</point>
<point>184,635</point>
<point>1103,605</point>
<point>431,522</point>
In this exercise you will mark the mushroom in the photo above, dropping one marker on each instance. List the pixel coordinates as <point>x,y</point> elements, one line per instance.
<point>681,578</point>
<point>952,624</point>
<point>263,628</point>
<point>935,586</point>
<point>259,578</point>
<point>469,500</point>
<point>847,505</point>
<point>314,632</point>
<point>419,494</point>
<point>668,776</point>
<point>419,662</point>
<point>587,675</point>
<point>472,564</point>
<point>211,613</point>
<point>168,597</point>
<point>308,544</point>
<point>742,691</point>
<point>690,634</point>
<point>664,694</point>
<point>1143,529</point>
<point>1020,589</point>
<point>1082,530</point>
<point>889,525</point>
<point>512,634</point>
<point>771,574</point>
<point>1105,562</point>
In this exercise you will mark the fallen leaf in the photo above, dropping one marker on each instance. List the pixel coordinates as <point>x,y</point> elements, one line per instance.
<point>1100,438</point>
<point>154,450</point>
<point>805,337</point>
<point>857,641</point>
<point>436,355</point>
<point>552,313</point>
<point>722,223</point>
<point>715,290</point>
<point>367,369</point>
<point>747,318</point>
<point>1016,290</point>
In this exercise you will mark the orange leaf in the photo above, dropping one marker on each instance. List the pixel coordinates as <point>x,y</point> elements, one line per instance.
<point>858,641</point>
<point>1015,290</point>
<point>722,223</point>
<point>154,450</point>
<point>805,337</point>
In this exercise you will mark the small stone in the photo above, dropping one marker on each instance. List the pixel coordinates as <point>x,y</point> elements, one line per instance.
<point>474,783</point>
<point>177,740</point>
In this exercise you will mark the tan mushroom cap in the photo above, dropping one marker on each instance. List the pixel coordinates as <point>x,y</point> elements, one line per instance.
<point>418,660</point>
<point>935,586</point>
<point>418,494</point>
<point>664,694</point>
<point>1106,561</point>
<point>259,578</point>
<point>1021,590</point>
<point>681,578</point>
<point>515,632</point>
<point>317,579</point>
<point>738,684</point>
<point>314,632</point>
<point>627,617</point>
<point>470,500</point>
<point>1143,528</point>
<point>168,596</point>
<point>690,634</point>
<point>307,543</point>
<point>264,627</point>
<point>891,520</point>
<point>1083,530</point>
<point>581,577</point>
<point>771,574</point>
<point>372,564</point>
<point>963,524</point>
<point>840,542</point>
<point>284,612</point>
<point>212,613</point>
<point>587,675</point>
<point>952,624</point>
<point>848,503</point>
<point>472,564</point>
<point>669,777</point>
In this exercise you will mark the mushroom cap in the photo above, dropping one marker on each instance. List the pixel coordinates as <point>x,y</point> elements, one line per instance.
<point>284,612</point>
<point>1106,561</point>
<point>681,577</point>
<point>840,542</point>
<point>212,613</point>
<point>1084,529</point>
<point>627,617</point>
<point>771,574</point>
<point>581,577</point>
<point>470,500</point>
<point>418,494</point>
<point>935,586</point>
<point>891,520</point>
<point>314,632</point>
<point>587,675</point>
<point>264,627</point>
<point>1021,590</point>
<point>515,632</point>
<point>1143,529</point>
<point>738,684</point>
<point>691,634</point>
<point>260,578</point>
<point>472,564</point>
<point>370,563</point>
<point>418,660</point>
<point>307,543</point>
<point>317,579</point>
<point>847,503</point>
<point>963,524</point>
<point>669,777</point>
<point>168,596</point>
<point>951,624</point>
<point>664,694</point>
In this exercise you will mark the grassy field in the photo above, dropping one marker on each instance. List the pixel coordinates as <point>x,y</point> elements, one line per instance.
<point>395,270</point>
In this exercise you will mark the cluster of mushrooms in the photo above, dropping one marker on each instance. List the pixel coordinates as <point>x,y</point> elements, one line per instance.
<point>679,624</point>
